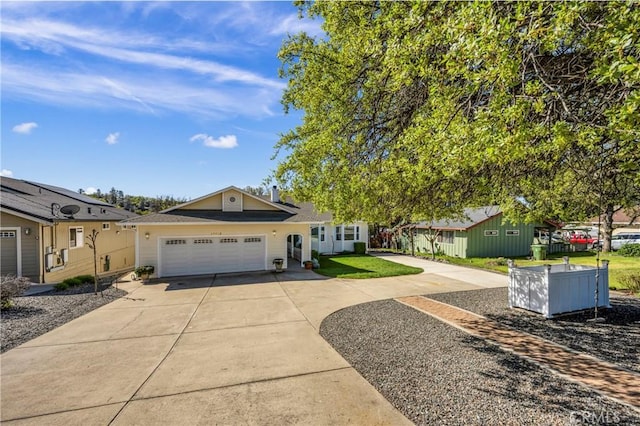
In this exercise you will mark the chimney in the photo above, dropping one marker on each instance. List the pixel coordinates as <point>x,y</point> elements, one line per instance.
<point>275,196</point>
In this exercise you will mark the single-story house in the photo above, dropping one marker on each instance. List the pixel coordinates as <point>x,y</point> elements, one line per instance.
<point>44,233</point>
<point>231,230</point>
<point>481,232</point>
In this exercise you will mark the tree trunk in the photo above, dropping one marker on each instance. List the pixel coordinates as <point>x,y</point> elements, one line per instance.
<point>607,228</point>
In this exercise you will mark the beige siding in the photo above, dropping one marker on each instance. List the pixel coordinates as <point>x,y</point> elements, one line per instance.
<point>117,243</point>
<point>148,249</point>
<point>232,206</point>
<point>30,263</point>
<point>250,203</point>
<point>210,203</point>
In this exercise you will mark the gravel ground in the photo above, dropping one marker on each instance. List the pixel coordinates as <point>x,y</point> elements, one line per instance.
<point>436,374</point>
<point>616,340</point>
<point>32,316</point>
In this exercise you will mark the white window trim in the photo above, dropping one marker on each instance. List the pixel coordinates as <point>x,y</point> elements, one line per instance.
<point>353,228</point>
<point>512,232</point>
<point>107,227</point>
<point>321,232</point>
<point>79,241</point>
<point>339,233</point>
<point>491,233</point>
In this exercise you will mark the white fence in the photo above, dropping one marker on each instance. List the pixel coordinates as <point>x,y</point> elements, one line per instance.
<point>555,289</point>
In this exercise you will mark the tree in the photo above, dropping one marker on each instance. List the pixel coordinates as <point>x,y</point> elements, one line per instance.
<point>92,245</point>
<point>416,110</point>
<point>257,190</point>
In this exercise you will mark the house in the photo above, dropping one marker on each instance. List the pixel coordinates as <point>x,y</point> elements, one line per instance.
<point>481,232</point>
<point>44,230</point>
<point>231,230</point>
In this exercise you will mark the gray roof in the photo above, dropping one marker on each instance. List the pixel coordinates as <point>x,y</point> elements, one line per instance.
<point>470,218</point>
<point>296,213</point>
<point>45,203</point>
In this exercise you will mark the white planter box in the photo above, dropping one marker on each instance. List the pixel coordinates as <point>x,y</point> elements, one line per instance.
<point>556,289</point>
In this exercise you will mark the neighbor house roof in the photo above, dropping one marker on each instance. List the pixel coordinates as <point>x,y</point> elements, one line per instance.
<point>622,217</point>
<point>471,217</point>
<point>46,203</point>
<point>287,212</point>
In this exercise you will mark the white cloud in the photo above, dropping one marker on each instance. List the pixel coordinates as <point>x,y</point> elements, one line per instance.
<point>90,190</point>
<point>25,128</point>
<point>113,138</point>
<point>228,141</point>
<point>6,173</point>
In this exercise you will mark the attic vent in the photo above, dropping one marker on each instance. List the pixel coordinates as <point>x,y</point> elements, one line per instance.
<point>103,211</point>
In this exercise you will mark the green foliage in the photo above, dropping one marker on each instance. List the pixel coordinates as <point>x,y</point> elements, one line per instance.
<point>85,279</point>
<point>315,254</point>
<point>629,250</point>
<point>415,110</point>
<point>144,271</point>
<point>359,247</point>
<point>73,282</point>
<point>10,287</point>
<point>61,286</point>
<point>631,282</point>
<point>137,203</point>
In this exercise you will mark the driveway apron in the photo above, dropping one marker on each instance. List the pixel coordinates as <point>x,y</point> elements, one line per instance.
<point>240,348</point>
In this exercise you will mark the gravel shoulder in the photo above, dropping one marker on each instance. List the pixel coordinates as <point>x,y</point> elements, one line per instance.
<point>436,374</point>
<point>32,316</point>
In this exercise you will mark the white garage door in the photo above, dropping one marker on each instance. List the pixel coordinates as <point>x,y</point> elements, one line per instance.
<point>206,255</point>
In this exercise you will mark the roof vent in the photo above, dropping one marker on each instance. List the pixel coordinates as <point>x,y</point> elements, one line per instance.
<point>55,209</point>
<point>275,195</point>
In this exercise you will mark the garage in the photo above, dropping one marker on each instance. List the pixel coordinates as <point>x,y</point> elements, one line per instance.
<point>9,255</point>
<point>208,255</point>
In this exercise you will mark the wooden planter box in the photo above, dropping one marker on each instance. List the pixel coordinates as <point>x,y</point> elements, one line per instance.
<point>556,289</point>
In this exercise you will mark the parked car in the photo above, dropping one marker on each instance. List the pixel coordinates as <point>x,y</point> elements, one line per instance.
<point>581,237</point>
<point>621,239</point>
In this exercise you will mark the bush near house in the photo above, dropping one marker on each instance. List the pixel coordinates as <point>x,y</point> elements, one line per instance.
<point>631,281</point>
<point>73,282</point>
<point>630,250</point>
<point>10,287</point>
<point>359,247</point>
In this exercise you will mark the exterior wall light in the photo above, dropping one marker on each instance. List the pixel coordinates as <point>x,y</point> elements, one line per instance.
<point>146,235</point>
<point>274,232</point>
<point>27,231</point>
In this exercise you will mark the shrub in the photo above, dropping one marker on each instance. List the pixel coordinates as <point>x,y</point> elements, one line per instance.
<point>315,254</point>
<point>61,286</point>
<point>72,282</point>
<point>359,247</point>
<point>12,286</point>
<point>85,279</point>
<point>501,261</point>
<point>144,271</point>
<point>631,281</point>
<point>630,250</point>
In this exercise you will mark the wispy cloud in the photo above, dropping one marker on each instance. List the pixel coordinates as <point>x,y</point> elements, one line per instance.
<point>25,128</point>
<point>6,173</point>
<point>226,142</point>
<point>113,138</point>
<point>90,190</point>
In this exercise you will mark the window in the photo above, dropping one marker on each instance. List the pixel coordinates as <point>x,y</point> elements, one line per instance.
<point>76,237</point>
<point>357,233</point>
<point>349,233</point>
<point>228,240</point>
<point>175,242</point>
<point>446,237</point>
<point>338,233</point>
<point>106,226</point>
<point>491,233</point>
<point>512,232</point>
<point>322,233</point>
<point>253,240</point>
<point>8,234</point>
<point>203,241</point>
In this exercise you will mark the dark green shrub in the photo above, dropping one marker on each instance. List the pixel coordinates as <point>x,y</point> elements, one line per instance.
<point>315,254</point>
<point>631,281</point>
<point>61,286</point>
<point>85,279</point>
<point>72,282</point>
<point>630,250</point>
<point>359,247</point>
<point>10,287</point>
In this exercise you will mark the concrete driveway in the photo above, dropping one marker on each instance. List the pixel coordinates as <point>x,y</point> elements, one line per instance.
<point>227,349</point>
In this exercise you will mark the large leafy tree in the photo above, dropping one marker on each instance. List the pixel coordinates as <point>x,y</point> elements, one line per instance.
<point>415,110</point>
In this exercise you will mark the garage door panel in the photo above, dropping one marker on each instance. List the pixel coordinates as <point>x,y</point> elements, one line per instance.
<point>188,256</point>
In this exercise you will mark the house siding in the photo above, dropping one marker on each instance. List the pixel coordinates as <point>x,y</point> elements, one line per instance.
<point>331,245</point>
<point>456,249</point>
<point>501,245</point>
<point>116,243</point>
<point>276,246</point>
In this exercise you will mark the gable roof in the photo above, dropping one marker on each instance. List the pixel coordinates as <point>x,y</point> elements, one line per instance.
<point>42,203</point>
<point>471,217</point>
<point>285,212</point>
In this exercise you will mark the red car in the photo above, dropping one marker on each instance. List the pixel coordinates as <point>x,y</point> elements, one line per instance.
<point>583,238</point>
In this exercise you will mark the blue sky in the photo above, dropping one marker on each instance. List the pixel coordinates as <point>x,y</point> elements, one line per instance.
<point>162,98</point>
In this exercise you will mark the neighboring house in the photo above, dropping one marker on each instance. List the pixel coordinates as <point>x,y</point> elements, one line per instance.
<point>231,230</point>
<point>480,233</point>
<point>44,230</point>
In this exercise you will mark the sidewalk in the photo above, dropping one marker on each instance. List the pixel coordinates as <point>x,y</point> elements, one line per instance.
<point>605,378</point>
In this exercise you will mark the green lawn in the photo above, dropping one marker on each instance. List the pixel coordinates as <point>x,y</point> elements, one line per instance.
<point>362,266</point>
<point>618,265</point>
